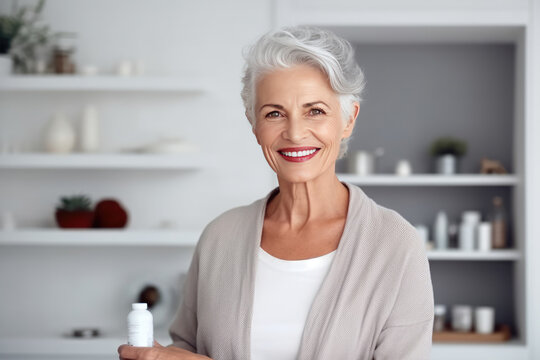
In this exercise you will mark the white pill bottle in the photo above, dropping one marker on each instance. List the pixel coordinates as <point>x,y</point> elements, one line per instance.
<point>140,326</point>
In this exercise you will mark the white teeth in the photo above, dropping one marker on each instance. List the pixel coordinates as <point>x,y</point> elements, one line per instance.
<point>299,153</point>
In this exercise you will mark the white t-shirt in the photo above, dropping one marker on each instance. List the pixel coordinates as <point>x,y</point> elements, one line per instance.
<point>284,292</point>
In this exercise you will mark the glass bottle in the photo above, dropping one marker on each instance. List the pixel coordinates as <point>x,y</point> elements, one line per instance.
<point>499,222</point>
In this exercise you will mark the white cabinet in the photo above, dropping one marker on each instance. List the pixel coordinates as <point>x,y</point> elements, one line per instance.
<point>483,37</point>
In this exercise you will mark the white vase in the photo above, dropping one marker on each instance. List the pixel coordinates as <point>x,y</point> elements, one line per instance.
<point>60,134</point>
<point>6,65</point>
<point>446,164</point>
<point>89,130</point>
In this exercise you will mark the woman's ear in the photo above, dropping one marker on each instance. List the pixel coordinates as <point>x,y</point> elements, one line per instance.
<point>352,120</point>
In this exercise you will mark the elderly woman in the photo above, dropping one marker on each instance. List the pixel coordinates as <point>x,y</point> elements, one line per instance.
<point>316,269</point>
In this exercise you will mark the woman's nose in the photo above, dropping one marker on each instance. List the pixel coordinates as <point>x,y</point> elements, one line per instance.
<point>296,129</point>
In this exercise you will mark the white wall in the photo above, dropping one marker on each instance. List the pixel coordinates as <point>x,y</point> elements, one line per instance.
<point>47,291</point>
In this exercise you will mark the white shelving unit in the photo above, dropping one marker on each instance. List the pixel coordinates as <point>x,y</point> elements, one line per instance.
<point>104,347</point>
<point>370,22</point>
<point>21,83</point>
<point>143,161</point>
<point>431,180</point>
<point>99,237</point>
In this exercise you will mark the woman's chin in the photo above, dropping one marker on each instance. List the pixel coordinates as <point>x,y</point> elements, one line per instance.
<point>298,177</point>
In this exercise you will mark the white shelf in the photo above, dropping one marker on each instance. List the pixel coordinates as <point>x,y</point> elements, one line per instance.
<point>431,180</point>
<point>493,255</point>
<point>102,161</point>
<point>512,349</point>
<point>98,83</point>
<point>99,237</point>
<point>61,346</point>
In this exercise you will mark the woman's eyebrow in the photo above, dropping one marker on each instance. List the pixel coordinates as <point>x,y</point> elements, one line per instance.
<point>305,105</point>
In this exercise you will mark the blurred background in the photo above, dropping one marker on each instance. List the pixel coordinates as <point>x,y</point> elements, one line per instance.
<point>122,134</point>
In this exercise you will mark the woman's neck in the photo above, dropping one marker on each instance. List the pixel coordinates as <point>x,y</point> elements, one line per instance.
<point>298,204</point>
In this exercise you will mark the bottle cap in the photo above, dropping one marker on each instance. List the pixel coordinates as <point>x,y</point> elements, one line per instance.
<point>139,306</point>
<point>440,310</point>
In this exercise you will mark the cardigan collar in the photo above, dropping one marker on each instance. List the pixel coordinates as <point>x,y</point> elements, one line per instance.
<point>315,321</point>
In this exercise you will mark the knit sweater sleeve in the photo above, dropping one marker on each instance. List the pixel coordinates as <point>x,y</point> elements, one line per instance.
<point>408,331</point>
<point>183,330</point>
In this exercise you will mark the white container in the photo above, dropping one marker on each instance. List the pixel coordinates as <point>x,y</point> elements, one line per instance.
<point>484,236</point>
<point>484,320</point>
<point>446,164</point>
<point>440,231</point>
<point>467,236</point>
<point>462,318</point>
<point>89,130</point>
<point>403,168</point>
<point>140,326</point>
<point>468,229</point>
<point>60,134</point>
<point>423,232</point>
<point>362,163</point>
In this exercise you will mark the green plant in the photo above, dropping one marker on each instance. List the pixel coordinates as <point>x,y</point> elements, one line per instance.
<point>25,36</point>
<point>448,145</point>
<point>9,27</point>
<point>75,203</point>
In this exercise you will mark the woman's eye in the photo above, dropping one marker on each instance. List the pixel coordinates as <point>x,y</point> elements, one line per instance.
<point>272,114</point>
<point>316,111</point>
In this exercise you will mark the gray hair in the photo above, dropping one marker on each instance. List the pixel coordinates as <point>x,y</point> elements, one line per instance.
<point>309,45</point>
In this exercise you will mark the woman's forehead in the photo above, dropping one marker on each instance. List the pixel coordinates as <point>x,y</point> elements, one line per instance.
<point>298,84</point>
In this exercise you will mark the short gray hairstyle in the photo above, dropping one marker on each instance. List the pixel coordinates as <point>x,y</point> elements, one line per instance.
<point>309,45</point>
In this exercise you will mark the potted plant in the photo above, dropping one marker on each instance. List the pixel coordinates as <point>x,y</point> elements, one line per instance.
<point>9,27</point>
<point>75,212</point>
<point>447,150</point>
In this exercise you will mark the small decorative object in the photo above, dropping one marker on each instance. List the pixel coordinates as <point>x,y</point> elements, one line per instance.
<point>75,212</point>
<point>484,236</point>
<point>440,231</point>
<point>110,214</point>
<point>423,233</point>
<point>89,130</point>
<point>492,167</point>
<point>150,294</point>
<point>29,48</point>
<point>86,333</point>
<point>362,163</point>
<point>439,321</point>
<point>403,168</point>
<point>468,230</point>
<point>462,318</point>
<point>125,68</point>
<point>60,134</point>
<point>8,221</point>
<point>498,224</point>
<point>484,319</point>
<point>63,53</point>
<point>447,150</point>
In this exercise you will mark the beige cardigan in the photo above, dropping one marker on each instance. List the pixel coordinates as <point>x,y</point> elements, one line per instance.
<point>376,302</point>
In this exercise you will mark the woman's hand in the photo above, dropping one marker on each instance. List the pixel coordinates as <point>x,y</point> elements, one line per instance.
<point>157,352</point>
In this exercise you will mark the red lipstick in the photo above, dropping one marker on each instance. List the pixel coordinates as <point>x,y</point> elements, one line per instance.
<point>288,153</point>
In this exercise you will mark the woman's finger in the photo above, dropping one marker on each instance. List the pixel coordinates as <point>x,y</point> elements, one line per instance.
<point>128,352</point>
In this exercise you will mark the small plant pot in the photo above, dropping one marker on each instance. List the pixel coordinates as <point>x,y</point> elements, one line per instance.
<point>446,164</point>
<point>74,219</point>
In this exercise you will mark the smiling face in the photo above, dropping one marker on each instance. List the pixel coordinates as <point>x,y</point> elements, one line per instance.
<point>298,122</point>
